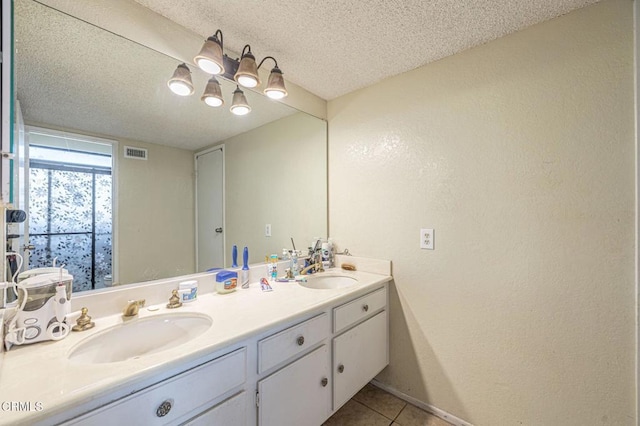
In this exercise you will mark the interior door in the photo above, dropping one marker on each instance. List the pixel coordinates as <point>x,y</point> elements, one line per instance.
<point>210,209</point>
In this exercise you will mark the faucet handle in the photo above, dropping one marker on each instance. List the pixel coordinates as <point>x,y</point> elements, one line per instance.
<point>84,321</point>
<point>174,300</point>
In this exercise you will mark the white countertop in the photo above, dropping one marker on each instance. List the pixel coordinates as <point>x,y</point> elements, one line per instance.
<point>41,372</point>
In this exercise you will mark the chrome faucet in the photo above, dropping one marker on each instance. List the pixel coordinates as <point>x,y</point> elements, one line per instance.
<point>315,259</point>
<point>131,310</point>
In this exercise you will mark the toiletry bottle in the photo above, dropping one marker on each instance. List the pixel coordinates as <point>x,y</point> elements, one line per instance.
<point>267,262</point>
<point>234,256</point>
<point>294,263</point>
<point>326,252</point>
<point>274,267</point>
<point>332,253</point>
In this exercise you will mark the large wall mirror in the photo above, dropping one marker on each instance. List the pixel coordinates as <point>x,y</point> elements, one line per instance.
<point>83,95</point>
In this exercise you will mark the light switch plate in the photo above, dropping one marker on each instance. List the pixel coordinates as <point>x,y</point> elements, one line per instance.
<point>426,239</point>
<point>267,230</point>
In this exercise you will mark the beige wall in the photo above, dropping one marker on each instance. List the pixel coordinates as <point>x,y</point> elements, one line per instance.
<point>155,213</point>
<point>520,153</point>
<point>276,174</point>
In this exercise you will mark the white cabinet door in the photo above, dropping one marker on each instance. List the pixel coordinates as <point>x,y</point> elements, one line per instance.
<point>358,355</point>
<point>299,394</point>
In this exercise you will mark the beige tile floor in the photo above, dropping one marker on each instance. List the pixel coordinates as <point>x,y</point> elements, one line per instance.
<point>374,407</point>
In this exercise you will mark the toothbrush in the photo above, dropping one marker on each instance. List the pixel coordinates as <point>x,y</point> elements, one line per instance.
<point>245,268</point>
<point>234,256</point>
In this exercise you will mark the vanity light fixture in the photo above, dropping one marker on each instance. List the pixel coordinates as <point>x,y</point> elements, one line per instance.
<point>180,83</point>
<point>240,106</point>
<point>275,85</point>
<point>212,95</point>
<point>244,72</point>
<point>247,74</point>
<point>210,57</point>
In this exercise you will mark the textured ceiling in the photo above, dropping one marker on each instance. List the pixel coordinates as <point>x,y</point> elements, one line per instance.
<point>74,75</point>
<point>333,47</point>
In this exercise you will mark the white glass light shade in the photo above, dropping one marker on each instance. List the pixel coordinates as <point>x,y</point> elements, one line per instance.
<point>275,85</point>
<point>240,106</point>
<point>180,83</point>
<point>210,57</point>
<point>212,95</point>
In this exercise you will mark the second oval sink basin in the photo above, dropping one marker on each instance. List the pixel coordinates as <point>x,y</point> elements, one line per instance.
<point>326,282</point>
<point>140,337</point>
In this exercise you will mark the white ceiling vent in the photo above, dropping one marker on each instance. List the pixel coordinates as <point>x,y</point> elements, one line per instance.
<point>136,153</point>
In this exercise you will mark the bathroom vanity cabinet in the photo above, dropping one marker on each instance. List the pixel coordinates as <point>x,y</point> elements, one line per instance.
<point>292,356</point>
<point>299,374</point>
<point>310,389</point>
<point>177,399</point>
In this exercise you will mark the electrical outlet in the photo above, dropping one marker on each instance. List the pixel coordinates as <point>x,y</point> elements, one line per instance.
<point>426,239</point>
<point>267,230</point>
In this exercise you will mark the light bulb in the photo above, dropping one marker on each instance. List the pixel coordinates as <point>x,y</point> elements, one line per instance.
<point>275,94</point>
<point>240,110</point>
<point>209,66</point>
<point>247,81</point>
<point>180,88</point>
<point>212,101</point>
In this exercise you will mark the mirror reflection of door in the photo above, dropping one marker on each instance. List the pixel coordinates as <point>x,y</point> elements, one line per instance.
<point>20,244</point>
<point>70,204</point>
<point>18,231</point>
<point>210,209</point>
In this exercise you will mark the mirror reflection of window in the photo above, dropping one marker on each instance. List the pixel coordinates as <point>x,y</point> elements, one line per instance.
<point>70,205</point>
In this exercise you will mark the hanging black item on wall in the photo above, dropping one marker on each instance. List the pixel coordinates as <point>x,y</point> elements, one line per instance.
<point>16,216</point>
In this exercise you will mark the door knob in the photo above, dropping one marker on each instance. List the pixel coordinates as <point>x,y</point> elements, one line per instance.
<point>219,230</point>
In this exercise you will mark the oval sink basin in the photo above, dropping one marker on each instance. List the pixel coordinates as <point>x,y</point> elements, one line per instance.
<point>140,337</point>
<point>326,282</point>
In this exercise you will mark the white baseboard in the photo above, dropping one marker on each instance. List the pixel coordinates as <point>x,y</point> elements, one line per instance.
<point>426,407</point>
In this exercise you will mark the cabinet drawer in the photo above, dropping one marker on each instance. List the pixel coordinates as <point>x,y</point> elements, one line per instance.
<point>182,395</point>
<point>231,412</point>
<point>350,313</point>
<point>281,346</point>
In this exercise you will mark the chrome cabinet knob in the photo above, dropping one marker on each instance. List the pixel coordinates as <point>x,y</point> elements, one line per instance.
<point>340,368</point>
<point>324,382</point>
<point>365,308</point>
<point>300,340</point>
<point>164,408</point>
